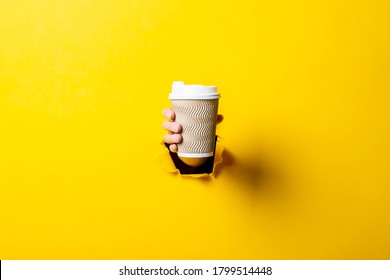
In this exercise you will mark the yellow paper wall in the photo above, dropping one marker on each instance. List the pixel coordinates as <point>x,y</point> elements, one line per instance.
<point>305,93</point>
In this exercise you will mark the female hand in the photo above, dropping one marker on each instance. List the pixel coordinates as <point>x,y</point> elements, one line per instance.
<point>174,137</point>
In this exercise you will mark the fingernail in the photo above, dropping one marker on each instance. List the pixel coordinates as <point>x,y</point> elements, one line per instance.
<point>177,138</point>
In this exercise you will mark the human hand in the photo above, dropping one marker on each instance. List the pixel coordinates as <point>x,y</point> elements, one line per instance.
<point>174,137</point>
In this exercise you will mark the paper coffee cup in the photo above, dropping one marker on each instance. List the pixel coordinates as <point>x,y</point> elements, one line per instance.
<point>196,109</point>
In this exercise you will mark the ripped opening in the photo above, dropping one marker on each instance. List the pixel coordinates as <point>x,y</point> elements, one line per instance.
<point>170,162</point>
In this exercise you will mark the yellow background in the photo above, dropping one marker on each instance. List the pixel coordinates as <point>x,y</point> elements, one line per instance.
<point>305,93</point>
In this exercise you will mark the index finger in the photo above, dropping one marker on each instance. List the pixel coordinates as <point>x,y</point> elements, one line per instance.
<point>168,113</point>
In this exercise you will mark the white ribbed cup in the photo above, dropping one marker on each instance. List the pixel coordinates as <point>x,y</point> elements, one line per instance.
<point>196,109</point>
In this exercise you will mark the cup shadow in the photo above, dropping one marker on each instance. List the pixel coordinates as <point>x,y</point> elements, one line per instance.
<point>253,174</point>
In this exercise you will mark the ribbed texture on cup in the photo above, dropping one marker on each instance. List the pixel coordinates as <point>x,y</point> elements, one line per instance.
<point>198,120</point>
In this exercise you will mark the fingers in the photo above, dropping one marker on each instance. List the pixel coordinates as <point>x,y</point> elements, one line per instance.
<point>171,126</point>
<point>168,113</point>
<point>173,148</point>
<point>219,119</point>
<point>174,128</point>
<point>172,138</point>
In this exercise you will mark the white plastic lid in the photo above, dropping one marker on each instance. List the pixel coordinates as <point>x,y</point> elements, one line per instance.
<point>183,91</point>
